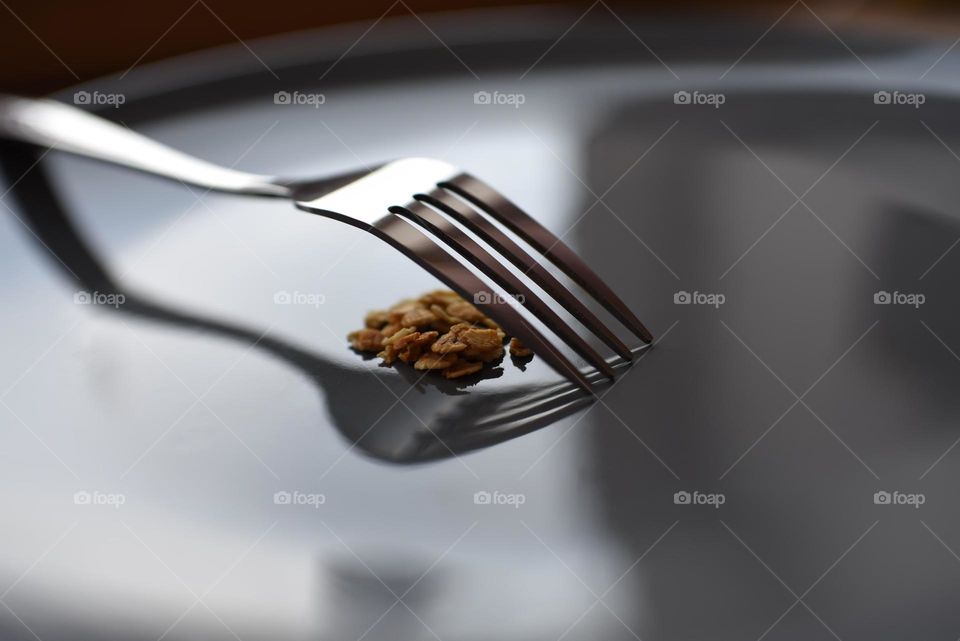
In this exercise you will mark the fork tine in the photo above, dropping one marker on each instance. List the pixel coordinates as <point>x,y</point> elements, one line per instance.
<point>456,239</point>
<point>469,217</point>
<point>423,250</point>
<point>505,212</point>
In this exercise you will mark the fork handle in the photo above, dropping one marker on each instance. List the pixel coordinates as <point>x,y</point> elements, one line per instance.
<point>54,125</point>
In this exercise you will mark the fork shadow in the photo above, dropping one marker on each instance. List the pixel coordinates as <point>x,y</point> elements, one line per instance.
<point>425,427</point>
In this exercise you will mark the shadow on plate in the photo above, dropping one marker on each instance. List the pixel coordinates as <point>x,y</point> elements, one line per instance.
<point>453,422</point>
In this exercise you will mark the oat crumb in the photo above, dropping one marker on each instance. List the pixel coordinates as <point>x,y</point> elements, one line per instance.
<point>437,331</point>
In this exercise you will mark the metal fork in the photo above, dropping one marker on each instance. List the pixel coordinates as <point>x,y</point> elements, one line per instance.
<point>419,206</point>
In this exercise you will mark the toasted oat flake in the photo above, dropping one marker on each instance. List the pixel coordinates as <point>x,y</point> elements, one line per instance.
<point>462,368</point>
<point>427,338</point>
<point>437,331</point>
<point>481,339</point>
<point>412,346</point>
<point>448,343</point>
<point>418,317</point>
<point>435,361</point>
<point>390,329</point>
<point>366,340</point>
<point>444,320</point>
<point>518,350</point>
<point>466,311</point>
<point>376,319</point>
<point>399,336</point>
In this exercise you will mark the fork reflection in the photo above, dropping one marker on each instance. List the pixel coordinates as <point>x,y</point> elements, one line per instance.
<point>436,418</point>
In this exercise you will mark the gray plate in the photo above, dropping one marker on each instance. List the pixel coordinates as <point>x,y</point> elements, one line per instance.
<point>182,414</point>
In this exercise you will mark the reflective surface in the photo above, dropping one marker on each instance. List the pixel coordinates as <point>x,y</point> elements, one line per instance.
<point>796,399</point>
<point>370,200</point>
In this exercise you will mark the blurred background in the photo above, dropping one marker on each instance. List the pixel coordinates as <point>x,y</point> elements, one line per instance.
<point>45,50</point>
<point>152,453</point>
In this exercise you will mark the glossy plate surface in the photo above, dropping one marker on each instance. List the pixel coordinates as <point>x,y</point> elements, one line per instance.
<point>242,474</point>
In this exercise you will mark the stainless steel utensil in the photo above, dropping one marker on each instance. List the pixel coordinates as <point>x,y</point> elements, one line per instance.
<point>419,206</point>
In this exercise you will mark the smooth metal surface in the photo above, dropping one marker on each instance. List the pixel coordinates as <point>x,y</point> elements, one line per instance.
<point>441,227</point>
<point>371,201</point>
<point>549,245</point>
<point>52,124</point>
<point>469,217</point>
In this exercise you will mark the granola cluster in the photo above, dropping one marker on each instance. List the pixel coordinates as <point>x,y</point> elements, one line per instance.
<point>438,331</point>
